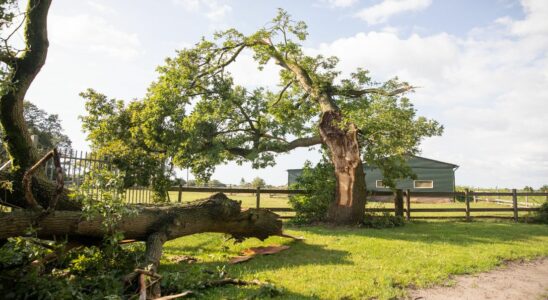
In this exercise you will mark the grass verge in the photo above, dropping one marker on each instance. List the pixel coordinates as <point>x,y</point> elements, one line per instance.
<point>357,263</point>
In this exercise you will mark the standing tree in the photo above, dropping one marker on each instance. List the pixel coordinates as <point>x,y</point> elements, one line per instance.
<point>354,118</point>
<point>258,182</point>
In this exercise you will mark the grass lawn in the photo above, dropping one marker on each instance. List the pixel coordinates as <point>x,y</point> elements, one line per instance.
<point>358,263</point>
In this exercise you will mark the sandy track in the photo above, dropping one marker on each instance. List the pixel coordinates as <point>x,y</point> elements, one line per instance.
<point>516,280</point>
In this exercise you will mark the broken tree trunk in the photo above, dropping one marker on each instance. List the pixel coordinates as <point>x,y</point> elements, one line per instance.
<point>349,205</point>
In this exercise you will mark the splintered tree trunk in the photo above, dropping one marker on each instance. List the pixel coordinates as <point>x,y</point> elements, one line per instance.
<point>349,207</point>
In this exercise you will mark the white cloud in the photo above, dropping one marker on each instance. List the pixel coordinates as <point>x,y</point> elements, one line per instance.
<point>341,3</point>
<point>380,13</point>
<point>214,10</point>
<point>488,89</point>
<point>92,34</point>
<point>104,9</point>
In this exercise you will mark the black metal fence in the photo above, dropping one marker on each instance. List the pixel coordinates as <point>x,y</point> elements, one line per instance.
<point>77,166</point>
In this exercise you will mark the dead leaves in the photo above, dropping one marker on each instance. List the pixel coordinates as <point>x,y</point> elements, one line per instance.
<point>250,253</point>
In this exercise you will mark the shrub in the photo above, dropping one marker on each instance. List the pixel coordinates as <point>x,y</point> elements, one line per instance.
<point>384,220</point>
<point>542,215</point>
<point>319,184</point>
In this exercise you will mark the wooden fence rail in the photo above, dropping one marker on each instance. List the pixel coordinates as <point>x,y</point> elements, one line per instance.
<point>399,208</point>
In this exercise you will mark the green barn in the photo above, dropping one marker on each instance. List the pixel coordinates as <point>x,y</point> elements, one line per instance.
<point>432,176</point>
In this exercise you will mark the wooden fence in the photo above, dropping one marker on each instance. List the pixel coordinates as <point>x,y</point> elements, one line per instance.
<point>402,201</point>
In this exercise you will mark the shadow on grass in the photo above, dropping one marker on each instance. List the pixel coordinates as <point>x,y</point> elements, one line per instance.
<point>447,232</point>
<point>299,254</point>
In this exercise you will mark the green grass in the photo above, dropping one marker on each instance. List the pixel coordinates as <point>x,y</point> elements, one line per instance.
<point>359,263</point>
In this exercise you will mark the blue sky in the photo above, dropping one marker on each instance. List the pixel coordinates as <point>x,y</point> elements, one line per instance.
<point>482,67</point>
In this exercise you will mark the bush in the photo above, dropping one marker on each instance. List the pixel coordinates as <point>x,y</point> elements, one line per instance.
<point>384,220</point>
<point>319,184</point>
<point>542,215</point>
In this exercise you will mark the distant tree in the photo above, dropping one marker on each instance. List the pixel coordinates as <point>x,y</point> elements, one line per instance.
<point>544,188</point>
<point>528,189</point>
<point>215,183</point>
<point>242,182</point>
<point>258,182</point>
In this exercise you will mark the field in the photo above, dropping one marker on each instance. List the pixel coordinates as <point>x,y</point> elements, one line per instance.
<point>358,263</point>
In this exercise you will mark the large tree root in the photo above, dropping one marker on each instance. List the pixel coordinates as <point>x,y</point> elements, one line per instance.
<point>154,225</point>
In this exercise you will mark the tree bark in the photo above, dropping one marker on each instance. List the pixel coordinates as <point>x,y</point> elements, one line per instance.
<point>43,190</point>
<point>349,205</point>
<point>23,70</point>
<point>215,214</point>
<point>154,225</point>
<point>342,141</point>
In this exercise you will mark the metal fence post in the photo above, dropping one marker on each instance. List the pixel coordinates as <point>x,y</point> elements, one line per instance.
<point>408,203</point>
<point>467,202</point>
<point>258,197</point>
<point>515,204</point>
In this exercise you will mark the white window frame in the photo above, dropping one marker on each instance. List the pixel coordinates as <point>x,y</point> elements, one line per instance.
<point>380,185</point>
<point>415,184</point>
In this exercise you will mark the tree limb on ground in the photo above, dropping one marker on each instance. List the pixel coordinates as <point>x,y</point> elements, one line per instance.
<point>154,225</point>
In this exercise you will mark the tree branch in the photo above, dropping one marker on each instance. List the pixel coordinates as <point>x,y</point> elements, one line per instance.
<point>282,92</point>
<point>299,143</point>
<point>378,91</point>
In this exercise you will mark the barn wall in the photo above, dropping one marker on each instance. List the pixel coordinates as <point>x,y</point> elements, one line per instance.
<point>441,173</point>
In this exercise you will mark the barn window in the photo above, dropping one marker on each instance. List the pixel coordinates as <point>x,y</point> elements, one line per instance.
<point>423,184</point>
<point>380,184</point>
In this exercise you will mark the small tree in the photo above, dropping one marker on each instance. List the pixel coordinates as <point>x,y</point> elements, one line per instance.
<point>258,182</point>
<point>528,189</point>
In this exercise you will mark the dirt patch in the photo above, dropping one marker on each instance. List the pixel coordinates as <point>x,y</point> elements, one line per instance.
<point>515,280</point>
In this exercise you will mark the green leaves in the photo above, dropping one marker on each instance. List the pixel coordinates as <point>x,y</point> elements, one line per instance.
<point>195,116</point>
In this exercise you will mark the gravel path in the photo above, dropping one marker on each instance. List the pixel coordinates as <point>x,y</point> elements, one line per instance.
<point>516,280</point>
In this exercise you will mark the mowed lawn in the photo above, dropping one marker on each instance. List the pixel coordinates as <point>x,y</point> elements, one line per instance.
<point>357,263</point>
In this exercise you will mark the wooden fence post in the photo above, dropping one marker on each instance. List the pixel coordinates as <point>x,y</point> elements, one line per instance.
<point>398,203</point>
<point>515,204</point>
<point>180,196</point>
<point>258,197</point>
<point>467,202</point>
<point>408,203</point>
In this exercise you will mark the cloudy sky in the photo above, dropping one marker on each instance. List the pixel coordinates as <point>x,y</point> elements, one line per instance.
<point>482,67</point>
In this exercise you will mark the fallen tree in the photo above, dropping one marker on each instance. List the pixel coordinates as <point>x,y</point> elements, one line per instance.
<point>153,225</point>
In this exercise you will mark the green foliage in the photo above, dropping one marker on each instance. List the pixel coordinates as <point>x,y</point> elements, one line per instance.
<point>39,269</point>
<point>541,216</point>
<point>528,189</point>
<point>258,182</point>
<point>102,195</point>
<point>194,115</point>
<point>112,132</point>
<point>319,184</point>
<point>382,220</point>
<point>80,273</point>
<point>8,11</point>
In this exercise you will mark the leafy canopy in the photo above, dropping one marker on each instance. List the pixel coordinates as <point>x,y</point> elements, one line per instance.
<point>195,116</point>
